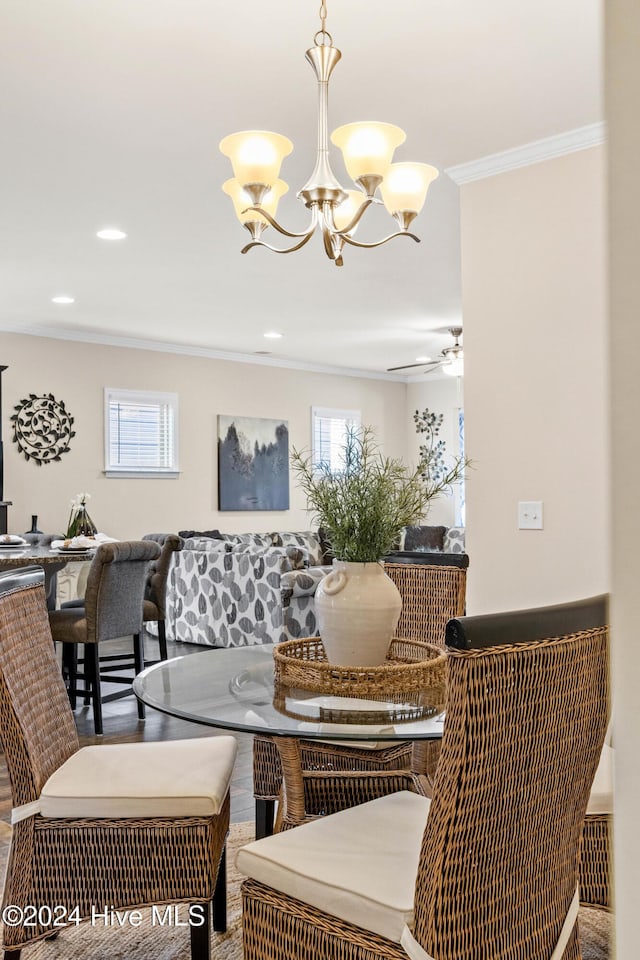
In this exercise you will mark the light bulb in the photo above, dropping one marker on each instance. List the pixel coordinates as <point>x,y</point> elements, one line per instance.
<point>404,188</point>
<point>454,368</point>
<point>242,200</point>
<point>256,155</point>
<point>367,147</point>
<point>344,212</point>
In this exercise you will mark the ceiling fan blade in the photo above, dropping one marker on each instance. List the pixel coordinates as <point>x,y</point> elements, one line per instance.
<point>409,366</point>
<point>439,363</point>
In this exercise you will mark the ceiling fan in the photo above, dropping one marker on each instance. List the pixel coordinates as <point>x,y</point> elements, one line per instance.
<point>451,358</point>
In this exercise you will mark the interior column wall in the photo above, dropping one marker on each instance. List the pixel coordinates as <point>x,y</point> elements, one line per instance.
<point>623,95</point>
<point>533,268</point>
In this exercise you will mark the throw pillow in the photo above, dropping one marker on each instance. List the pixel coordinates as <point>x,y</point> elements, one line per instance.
<point>306,539</point>
<point>424,539</point>
<point>328,555</point>
<point>454,540</point>
<point>210,534</point>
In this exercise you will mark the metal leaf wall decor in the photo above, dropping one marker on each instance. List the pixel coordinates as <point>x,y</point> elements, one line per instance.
<point>42,428</point>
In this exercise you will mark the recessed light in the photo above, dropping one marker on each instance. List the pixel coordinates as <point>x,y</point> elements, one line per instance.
<point>273,335</point>
<point>423,359</point>
<point>111,233</point>
<point>63,300</point>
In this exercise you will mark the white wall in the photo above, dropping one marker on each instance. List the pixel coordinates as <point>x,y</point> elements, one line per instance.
<point>623,96</point>
<point>533,259</point>
<point>443,396</point>
<point>78,372</point>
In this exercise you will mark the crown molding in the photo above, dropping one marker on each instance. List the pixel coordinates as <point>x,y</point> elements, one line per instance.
<point>132,343</point>
<point>579,139</point>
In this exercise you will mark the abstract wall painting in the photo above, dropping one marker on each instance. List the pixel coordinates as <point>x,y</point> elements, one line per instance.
<point>253,463</point>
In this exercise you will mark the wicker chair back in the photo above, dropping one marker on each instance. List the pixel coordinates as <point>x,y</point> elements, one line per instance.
<point>431,596</point>
<point>36,724</point>
<point>525,727</point>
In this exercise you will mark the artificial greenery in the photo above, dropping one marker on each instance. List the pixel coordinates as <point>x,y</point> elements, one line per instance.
<point>80,523</point>
<point>438,477</point>
<point>364,505</point>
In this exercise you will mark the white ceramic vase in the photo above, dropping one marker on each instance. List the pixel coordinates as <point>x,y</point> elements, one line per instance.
<point>358,608</point>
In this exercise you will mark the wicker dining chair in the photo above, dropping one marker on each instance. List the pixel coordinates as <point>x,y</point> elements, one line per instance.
<point>112,608</point>
<point>485,870</point>
<point>431,595</point>
<point>109,826</point>
<point>595,849</point>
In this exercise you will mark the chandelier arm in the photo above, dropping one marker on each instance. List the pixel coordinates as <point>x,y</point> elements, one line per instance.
<point>378,243</point>
<point>261,243</point>
<point>327,237</point>
<point>276,225</point>
<point>357,217</point>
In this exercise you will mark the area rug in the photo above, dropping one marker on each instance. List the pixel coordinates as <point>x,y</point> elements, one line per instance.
<point>172,943</point>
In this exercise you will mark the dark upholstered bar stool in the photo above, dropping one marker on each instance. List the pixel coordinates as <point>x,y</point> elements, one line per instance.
<point>113,608</point>
<point>155,590</point>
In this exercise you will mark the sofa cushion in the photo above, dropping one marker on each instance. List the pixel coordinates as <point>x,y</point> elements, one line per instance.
<point>306,539</point>
<point>303,583</point>
<point>454,540</point>
<point>359,864</point>
<point>601,798</point>
<point>206,545</point>
<point>260,540</point>
<point>424,538</point>
<point>295,559</point>
<point>173,778</point>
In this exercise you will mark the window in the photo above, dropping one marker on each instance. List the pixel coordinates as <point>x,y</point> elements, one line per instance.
<point>141,433</point>
<point>328,434</point>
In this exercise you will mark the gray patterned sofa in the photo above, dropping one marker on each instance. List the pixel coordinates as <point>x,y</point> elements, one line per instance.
<point>237,590</point>
<point>234,590</point>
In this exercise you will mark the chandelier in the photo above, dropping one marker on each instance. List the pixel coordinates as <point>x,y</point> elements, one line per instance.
<point>367,148</point>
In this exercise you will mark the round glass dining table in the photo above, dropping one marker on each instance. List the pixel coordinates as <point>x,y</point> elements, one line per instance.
<point>234,689</point>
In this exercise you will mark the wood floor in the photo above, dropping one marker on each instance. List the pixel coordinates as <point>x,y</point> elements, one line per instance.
<point>121,725</point>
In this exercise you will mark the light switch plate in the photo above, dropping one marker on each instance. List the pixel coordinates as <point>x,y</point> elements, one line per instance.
<point>530,515</point>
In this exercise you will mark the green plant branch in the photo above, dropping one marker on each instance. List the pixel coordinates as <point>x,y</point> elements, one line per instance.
<point>364,505</point>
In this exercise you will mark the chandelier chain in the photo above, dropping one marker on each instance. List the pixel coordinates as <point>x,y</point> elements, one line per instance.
<point>323,16</point>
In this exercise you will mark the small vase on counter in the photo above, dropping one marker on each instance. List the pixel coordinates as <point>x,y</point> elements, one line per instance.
<point>34,524</point>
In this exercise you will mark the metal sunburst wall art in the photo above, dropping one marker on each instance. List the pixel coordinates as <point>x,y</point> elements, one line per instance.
<point>42,428</point>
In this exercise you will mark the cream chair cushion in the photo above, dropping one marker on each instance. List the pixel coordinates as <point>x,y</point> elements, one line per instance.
<point>601,798</point>
<point>359,864</point>
<point>177,778</point>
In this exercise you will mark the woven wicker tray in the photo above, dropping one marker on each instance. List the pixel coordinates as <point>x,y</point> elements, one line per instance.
<point>413,673</point>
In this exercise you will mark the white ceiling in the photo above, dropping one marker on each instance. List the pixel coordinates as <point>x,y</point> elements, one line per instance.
<point>112,110</point>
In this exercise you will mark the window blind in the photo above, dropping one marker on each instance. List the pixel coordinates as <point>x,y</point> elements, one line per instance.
<point>141,433</point>
<point>329,432</point>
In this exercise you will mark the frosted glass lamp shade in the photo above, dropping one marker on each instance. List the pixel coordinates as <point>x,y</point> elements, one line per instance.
<point>344,213</point>
<point>455,368</point>
<point>367,148</point>
<point>256,155</point>
<point>242,200</point>
<point>404,189</point>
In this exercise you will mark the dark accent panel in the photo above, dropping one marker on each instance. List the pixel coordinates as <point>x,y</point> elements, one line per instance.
<point>525,626</point>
